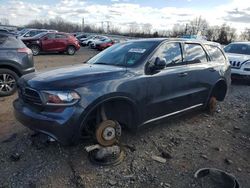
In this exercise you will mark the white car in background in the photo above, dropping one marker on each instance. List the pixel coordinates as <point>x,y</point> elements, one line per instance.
<point>238,54</point>
<point>91,39</point>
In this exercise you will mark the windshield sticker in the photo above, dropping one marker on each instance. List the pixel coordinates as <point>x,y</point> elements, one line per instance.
<point>137,50</point>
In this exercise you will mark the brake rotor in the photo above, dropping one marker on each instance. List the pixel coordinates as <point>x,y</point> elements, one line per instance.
<point>212,105</point>
<point>108,132</point>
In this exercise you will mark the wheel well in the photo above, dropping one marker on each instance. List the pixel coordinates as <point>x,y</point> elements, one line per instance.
<point>70,46</point>
<point>11,68</point>
<point>120,110</point>
<point>219,91</point>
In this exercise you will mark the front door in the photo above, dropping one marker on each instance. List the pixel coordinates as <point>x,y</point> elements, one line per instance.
<point>48,42</point>
<point>167,89</point>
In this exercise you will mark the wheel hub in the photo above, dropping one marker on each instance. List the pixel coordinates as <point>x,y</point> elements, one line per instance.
<point>7,82</point>
<point>109,133</point>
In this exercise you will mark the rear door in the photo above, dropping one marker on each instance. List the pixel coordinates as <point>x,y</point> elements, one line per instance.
<point>48,42</point>
<point>167,89</point>
<point>218,61</point>
<point>200,72</point>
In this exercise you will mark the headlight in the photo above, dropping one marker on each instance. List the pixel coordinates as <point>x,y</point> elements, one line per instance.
<point>60,98</point>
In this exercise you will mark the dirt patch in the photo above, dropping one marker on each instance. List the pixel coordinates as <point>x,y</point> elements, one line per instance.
<point>187,143</point>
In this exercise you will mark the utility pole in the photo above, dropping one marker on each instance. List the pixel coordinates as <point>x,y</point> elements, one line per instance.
<point>82,24</point>
<point>102,26</point>
<point>108,26</point>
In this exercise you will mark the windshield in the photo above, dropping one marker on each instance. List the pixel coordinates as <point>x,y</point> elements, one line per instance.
<point>238,49</point>
<point>22,31</point>
<point>124,54</point>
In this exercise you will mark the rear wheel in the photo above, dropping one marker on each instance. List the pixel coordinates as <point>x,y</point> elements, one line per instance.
<point>35,50</point>
<point>8,82</point>
<point>71,50</point>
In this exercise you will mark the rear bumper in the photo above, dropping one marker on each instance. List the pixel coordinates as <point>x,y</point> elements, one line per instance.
<point>63,126</point>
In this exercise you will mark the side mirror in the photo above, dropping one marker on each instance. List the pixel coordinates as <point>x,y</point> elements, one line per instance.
<point>45,38</point>
<point>159,64</point>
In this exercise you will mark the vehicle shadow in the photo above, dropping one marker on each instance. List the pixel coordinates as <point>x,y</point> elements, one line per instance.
<point>240,82</point>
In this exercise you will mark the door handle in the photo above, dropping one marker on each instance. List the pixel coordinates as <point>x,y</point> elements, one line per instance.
<point>212,69</point>
<point>183,74</point>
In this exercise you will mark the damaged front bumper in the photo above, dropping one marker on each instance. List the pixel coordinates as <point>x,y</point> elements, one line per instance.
<point>62,125</point>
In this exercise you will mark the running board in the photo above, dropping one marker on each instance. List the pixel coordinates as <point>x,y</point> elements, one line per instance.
<point>173,113</point>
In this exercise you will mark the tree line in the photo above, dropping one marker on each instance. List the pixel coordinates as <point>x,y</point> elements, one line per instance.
<point>223,34</point>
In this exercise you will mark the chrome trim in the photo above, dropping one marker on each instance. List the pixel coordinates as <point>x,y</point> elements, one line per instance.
<point>173,113</point>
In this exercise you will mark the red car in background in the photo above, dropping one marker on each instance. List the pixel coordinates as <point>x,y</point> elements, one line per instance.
<point>101,45</point>
<point>52,42</point>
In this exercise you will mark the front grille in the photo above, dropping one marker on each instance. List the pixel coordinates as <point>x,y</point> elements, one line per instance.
<point>30,96</point>
<point>235,64</point>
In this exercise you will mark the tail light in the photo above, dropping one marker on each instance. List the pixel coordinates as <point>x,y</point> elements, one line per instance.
<point>24,50</point>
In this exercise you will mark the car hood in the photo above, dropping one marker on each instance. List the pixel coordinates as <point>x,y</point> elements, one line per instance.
<point>71,77</point>
<point>237,57</point>
<point>236,60</point>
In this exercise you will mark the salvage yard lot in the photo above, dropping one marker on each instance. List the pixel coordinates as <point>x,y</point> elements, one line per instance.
<point>195,140</point>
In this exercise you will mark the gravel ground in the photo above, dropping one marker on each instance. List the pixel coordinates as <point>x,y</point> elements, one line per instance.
<point>189,142</point>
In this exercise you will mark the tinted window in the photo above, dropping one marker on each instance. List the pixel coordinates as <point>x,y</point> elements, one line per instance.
<point>10,42</point>
<point>195,53</point>
<point>171,52</point>
<point>31,33</point>
<point>238,49</point>
<point>50,36</point>
<point>215,53</point>
<point>60,36</point>
<point>124,54</point>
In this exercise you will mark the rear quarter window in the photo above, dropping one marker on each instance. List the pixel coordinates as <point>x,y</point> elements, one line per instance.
<point>11,42</point>
<point>215,53</point>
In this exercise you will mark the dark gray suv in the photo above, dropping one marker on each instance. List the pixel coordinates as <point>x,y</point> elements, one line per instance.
<point>128,85</point>
<point>15,60</point>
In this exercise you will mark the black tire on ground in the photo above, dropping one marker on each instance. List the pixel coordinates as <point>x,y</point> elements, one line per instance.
<point>8,82</point>
<point>71,50</point>
<point>35,50</point>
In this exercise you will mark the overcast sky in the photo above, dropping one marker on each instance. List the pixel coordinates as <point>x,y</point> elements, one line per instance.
<point>162,14</point>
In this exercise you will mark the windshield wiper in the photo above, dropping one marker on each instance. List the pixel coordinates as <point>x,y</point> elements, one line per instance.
<point>101,63</point>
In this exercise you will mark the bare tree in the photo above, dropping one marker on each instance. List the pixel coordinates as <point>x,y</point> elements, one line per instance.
<point>146,28</point>
<point>57,24</point>
<point>133,28</point>
<point>245,35</point>
<point>197,26</point>
<point>4,21</point>
<point>178,30</point>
